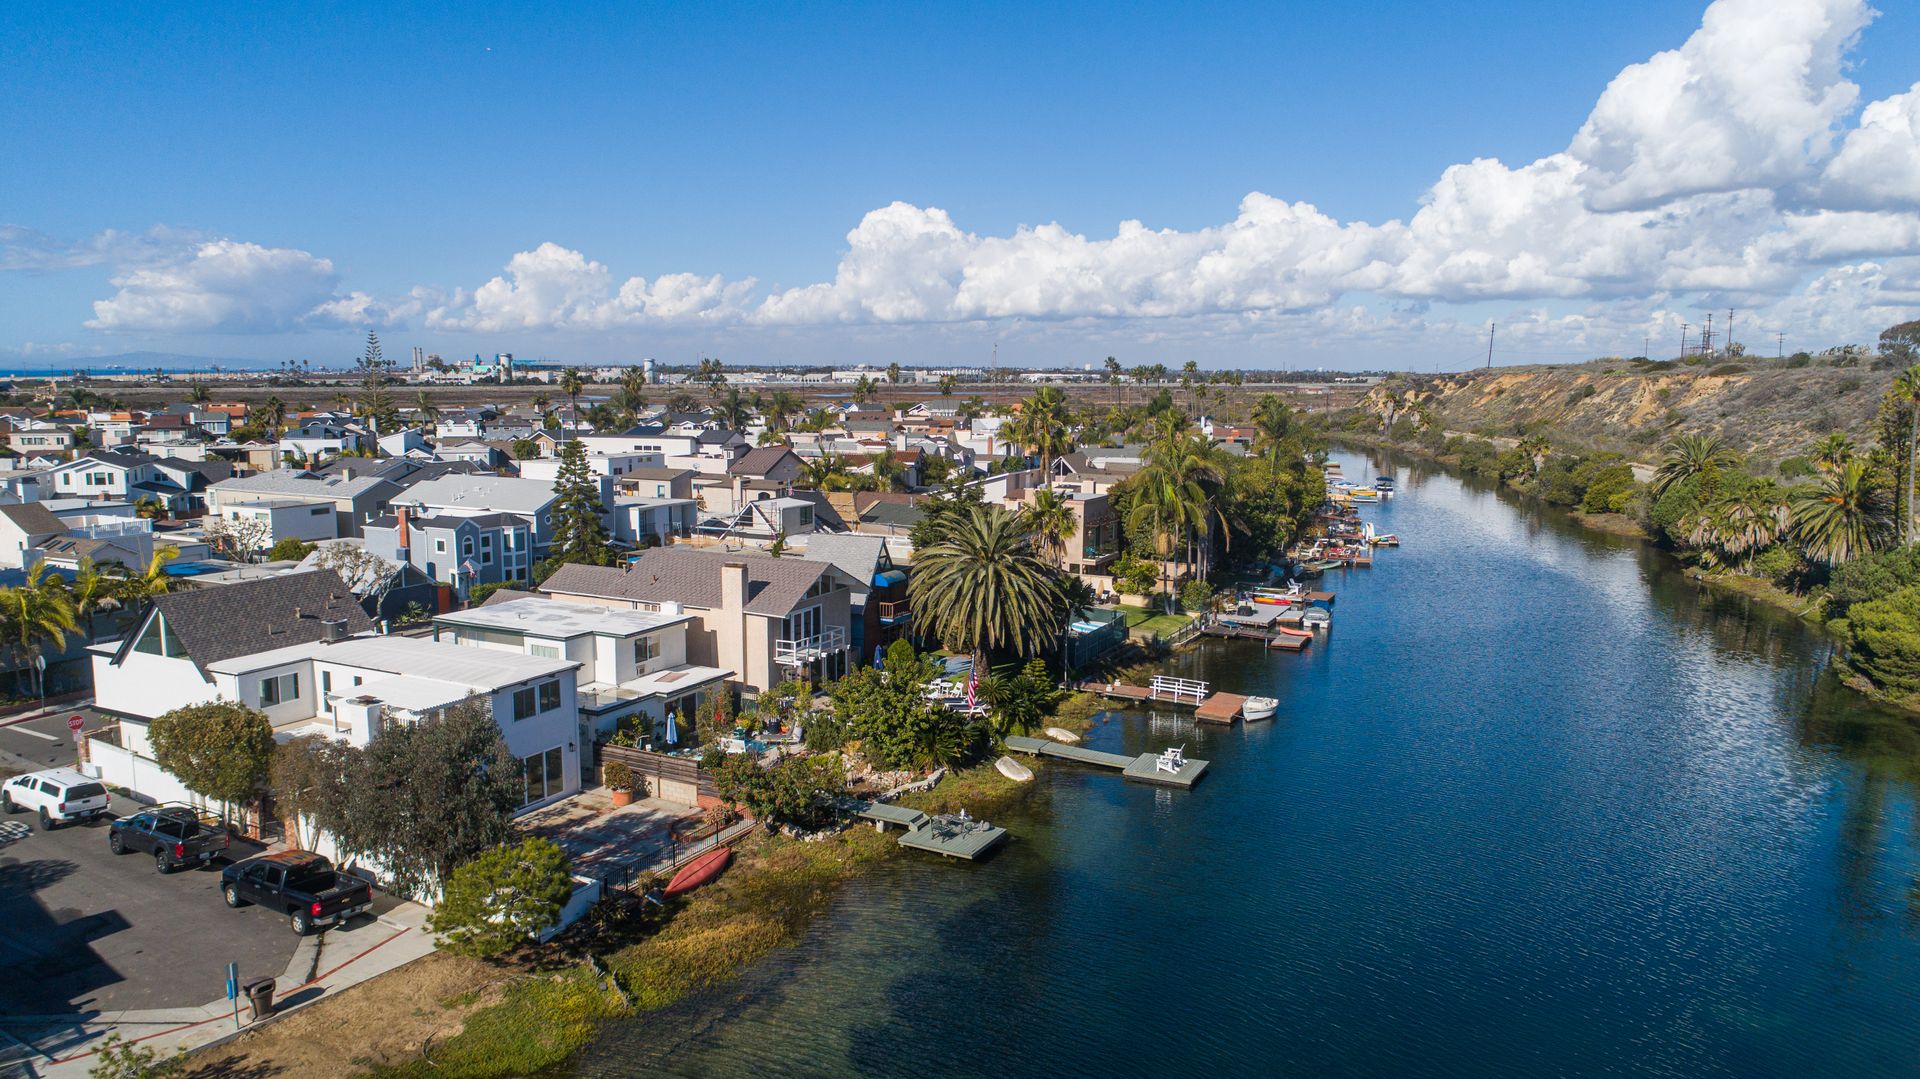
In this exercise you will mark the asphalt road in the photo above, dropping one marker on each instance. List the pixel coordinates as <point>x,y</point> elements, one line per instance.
<point>42,743</point>
<point>82,930</point>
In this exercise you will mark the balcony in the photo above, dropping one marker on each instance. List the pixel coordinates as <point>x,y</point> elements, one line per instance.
<point>894,612</point>
<point>800,651</point>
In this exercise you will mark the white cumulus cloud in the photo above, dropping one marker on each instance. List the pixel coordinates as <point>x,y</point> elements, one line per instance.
<point>1878,166</point>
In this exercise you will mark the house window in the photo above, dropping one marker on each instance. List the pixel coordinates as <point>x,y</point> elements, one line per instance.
<point>645,648</point>
<point>544,651</point>
<point>523,703</point>
<point>326,682</point>
<point>440,546</point>
<point>545,775</point>
<point>549,695</point>
<point>466,546</point>
<point>279,689</point>
<point>319,511</point>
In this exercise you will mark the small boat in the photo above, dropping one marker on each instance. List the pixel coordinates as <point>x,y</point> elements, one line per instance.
<point>1384,485</point>
<point>1014,770</point>
<point>1316,618</point>
<point>1258,708</point>
<point>1293,632</point>
<point>699,871</point>
<point>1326,564</point>
<point>1387,539</point>
<point>1061,734</point>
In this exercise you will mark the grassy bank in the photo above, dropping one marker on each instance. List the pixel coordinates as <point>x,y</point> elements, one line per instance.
<point>445,1015</point>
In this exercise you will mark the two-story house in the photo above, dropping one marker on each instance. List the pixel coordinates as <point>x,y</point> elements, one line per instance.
<point>632,663</point>
<point>296,648</point>
<point>455,550</point>
<point>766,619</point>
<point>880,613</point>
<point>357,496</point>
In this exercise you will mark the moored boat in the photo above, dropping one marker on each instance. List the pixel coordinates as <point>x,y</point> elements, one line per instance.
<point>1014,770</point>
<point>699,871</point>
<point>1258,708</point>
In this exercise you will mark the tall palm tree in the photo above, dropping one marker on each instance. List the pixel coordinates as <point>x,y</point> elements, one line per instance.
<point>1172,497</point>
<point>572,385</point>
<point>34,614</point>
<point>1273,418</point>
<point>273,414</point>
<point>863,390</point>
<point>199,394</point>
<point>1050,518</point>
<point>1044,426</point>
<point>1841,517</point>
<point>541,401</point>
<point>888,470</point>
<point>733,409</point>
<point>1906,390</point>
<point>893,374</point>
<point>782,407</point>
<point>947,385</point>
<point>429,412</point>
<point>92,591</point>
<point>633,389</point>
<point>820,472</point>
<point>1688,456</point>
<point>982,588</point>
<point>1535,447</point>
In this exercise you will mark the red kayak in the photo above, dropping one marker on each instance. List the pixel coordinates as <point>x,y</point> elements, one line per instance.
<point>699,871</point>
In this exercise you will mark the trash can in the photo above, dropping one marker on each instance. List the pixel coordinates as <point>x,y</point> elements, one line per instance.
<point>260,994</point>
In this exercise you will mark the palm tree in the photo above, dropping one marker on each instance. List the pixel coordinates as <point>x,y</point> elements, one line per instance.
<point>1050,518</point>
<point>92,592</point>
<point>154,580</point>
<point>429,412</point>
<point>273,413</point>
<point>1043,428</point>
<point>893,374</point>
<point>1273,418</point>
<point>1535,447</point>
<point>733,409</point>
<point>981,587</point>
<point>1841,517</point>
<point>571,384</point>
<point>1172,500</point>
<point>633,389</point>
<point>35,613</point>
<point>819,472</point>
<point>863,390</point>
<point>199,394</point>
<point>888,470</point>
<point>947,385</point>
<point>1688,456</point>
<point>1832,451</point>
<point>1906,391</point>
<point>782,407</point>
<point>541,401</point>
<point>1113,379</point>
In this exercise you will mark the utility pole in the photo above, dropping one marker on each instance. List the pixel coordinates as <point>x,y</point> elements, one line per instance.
<point>1683,339</point>
<point>1779,343</point>
<point>1706,337</point>
<point>1729,333</point>
<point>1646,345</point>
<point>1490,327</point>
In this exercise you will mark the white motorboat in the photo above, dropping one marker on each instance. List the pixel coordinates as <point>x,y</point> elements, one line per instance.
<point>1259,708</point>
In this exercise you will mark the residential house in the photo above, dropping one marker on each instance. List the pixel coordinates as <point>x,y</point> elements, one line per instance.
<point>880,613</point>
<point>318,438</point>
<point>41,438</point>
<point>456,495</point>
<point>276,519</point>
<point>404,441</point>
<point>356,496</point>
<point>486,455</point>
<point>23,528</point>
<point>456,550</point>
<point>654,481</point>
<point>633,664</point>
<point>766,619</point>
<point>652,522</point>
<point>294,647</point>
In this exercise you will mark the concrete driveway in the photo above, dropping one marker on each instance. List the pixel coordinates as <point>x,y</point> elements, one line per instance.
<point>84,931</point>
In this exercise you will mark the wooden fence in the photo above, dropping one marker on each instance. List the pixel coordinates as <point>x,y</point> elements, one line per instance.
<point>655,767</point>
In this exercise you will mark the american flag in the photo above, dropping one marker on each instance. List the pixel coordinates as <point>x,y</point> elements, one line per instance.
<point>973,686</point>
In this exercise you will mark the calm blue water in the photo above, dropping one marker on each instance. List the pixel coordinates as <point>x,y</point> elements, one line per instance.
<point>1539,806</point>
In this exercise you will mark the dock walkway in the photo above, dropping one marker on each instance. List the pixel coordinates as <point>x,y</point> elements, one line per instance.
<point>955,837</point>
<point>1140,769</point>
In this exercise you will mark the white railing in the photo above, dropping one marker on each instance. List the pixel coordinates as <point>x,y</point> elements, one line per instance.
<point>803,650</point>
<point>1179,689</point>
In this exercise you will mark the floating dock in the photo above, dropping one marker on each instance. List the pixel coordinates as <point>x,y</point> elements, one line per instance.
<point>1274,638</point>
<point>954,837</point>
<point>1220,708</point>
<point>1141,769</point>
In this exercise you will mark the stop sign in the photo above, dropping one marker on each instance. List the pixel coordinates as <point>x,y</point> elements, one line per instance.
<point>74,723</point>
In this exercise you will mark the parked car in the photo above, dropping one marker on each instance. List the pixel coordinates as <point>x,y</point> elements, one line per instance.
<point>300,884</point>
<point>175,835</point>
<point>59,794</point>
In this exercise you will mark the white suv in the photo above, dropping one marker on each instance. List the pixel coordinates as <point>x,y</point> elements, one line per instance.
<point>60,794</point>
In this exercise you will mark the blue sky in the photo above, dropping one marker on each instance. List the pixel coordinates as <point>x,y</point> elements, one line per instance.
<point>416,152</point>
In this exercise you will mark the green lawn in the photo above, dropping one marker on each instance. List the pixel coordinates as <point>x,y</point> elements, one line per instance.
<point>1144,622</point>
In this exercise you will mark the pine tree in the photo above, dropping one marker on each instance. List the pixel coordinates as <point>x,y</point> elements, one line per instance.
<point>579,531</point>
<point>376,401</point>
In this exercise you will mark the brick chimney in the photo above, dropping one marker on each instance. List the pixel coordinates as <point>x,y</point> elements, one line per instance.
<point>404,551</point>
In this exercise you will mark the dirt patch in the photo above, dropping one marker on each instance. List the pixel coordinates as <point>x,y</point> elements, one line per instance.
<point>379,1022</point>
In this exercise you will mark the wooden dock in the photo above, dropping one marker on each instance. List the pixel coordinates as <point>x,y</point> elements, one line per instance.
<point>1220,708</point>
<point>954,837</point>
<point>1272,637</point>
<point>1140,769</point>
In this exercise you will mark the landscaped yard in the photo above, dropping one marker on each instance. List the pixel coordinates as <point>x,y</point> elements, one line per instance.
<point>1143,622</point>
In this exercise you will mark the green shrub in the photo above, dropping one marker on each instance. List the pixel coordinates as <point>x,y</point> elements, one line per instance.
<point>289,550</point>
<point>1883,640</point>
<point>1871,577</point>
<point>1794,468</point>
<point>1610,490</point>
<point>503,898</point>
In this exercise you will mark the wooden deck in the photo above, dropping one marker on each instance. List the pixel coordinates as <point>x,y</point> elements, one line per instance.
<point>952,836</point>
<point>1220,708</point>
<point>1140,769</point>
<point>1274,638</point>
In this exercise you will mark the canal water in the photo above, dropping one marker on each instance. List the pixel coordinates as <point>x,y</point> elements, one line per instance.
<point>1538,805</point>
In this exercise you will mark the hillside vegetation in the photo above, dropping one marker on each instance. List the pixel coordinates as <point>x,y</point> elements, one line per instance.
<point>1767,409</point>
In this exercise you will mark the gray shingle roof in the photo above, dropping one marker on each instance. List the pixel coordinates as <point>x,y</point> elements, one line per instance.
<point>34,519</point>
<point>757,462</point>
<point>857,556</point>
<point>774,585</point>
<point>241,619</point>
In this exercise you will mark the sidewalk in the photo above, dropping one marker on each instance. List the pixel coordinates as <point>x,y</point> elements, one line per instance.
<point>324,965</point>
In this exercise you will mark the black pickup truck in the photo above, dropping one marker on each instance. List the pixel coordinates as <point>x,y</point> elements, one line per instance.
<point>300,884</point>
<point>175,836</point>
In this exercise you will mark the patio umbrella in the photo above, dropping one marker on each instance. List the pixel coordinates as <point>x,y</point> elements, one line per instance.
<point>673,731</point>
